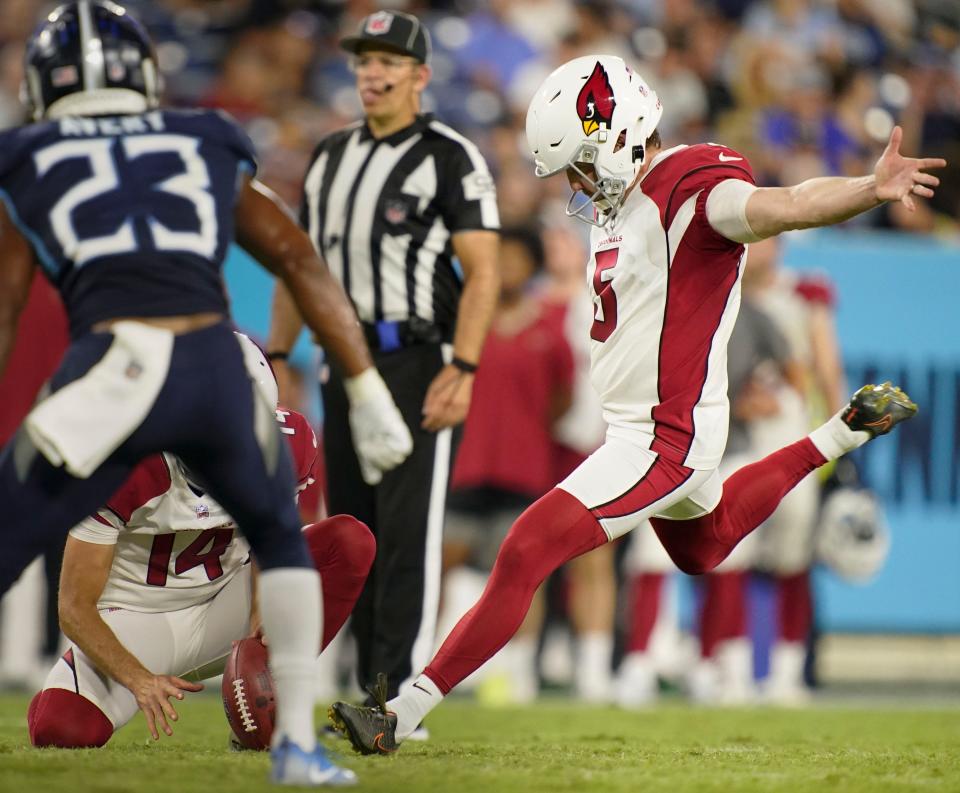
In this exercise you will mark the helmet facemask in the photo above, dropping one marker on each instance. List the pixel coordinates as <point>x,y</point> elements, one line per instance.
<point>593,111</point>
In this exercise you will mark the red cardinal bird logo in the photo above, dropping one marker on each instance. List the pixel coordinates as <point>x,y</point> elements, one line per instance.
<point>595,102</point>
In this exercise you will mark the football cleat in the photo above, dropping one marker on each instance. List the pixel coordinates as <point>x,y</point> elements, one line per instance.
<point>369,730</point>
<point>877,409</point>
<point>291,765</point>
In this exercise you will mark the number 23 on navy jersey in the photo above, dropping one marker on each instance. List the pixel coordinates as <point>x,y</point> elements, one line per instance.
<point>128,215</point>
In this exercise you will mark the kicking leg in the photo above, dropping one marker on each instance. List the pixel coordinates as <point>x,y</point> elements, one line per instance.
<point>554,530</point>
<point>615,490</point>
<point>549,533</point>
<point>751,494</point>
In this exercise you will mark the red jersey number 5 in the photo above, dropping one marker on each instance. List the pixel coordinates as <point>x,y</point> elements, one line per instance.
<point>604,314</point>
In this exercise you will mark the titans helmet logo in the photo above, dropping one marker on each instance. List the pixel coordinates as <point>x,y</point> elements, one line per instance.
<point>595,102</point>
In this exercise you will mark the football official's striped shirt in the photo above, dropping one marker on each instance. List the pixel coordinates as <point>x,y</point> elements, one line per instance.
<point>382,214</point>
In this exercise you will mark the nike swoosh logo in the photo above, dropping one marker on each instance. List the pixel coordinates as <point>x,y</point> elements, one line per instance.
<point>417,685</point>
<point>724,158</point>
<point>883,424</point>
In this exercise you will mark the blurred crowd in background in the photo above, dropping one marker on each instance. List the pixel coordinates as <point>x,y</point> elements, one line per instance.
<point>802,87</point>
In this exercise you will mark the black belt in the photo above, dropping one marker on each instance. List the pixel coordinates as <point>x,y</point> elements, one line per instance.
<point>387,336</point>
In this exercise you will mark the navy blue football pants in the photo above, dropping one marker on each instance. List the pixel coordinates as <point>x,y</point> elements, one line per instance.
<point>204,414</point>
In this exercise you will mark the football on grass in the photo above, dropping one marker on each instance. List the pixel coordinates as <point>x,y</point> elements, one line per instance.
<point>248,694</point>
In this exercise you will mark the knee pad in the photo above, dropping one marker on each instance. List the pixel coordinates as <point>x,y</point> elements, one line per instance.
<point>66,720</point>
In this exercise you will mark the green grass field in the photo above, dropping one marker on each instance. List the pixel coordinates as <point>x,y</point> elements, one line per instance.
<point>553,747</point>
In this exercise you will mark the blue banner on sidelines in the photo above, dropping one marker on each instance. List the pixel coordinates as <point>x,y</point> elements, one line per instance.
<point>898,319</point>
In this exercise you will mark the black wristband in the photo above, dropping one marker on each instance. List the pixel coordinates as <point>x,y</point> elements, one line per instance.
<point>277,355</point>
<point>464,366</point>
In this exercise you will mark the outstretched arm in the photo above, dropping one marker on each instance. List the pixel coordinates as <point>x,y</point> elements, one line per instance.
<point>16,273</point>
<point>832,199</point>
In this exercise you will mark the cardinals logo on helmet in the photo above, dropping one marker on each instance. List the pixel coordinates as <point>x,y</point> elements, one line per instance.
<point>595,102</point>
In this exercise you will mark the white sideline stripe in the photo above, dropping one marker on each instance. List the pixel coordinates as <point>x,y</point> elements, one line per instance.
<point>426,635</point>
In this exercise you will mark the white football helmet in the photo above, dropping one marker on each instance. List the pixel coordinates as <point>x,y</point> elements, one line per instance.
<point>259,369</point>
<point>594,110</point>
<point>853,538</point>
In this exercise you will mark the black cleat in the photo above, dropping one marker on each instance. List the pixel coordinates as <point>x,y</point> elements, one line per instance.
<point>369,730</point>
<point>877,409</point>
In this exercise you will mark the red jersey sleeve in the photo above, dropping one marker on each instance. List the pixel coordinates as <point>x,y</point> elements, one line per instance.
<point>303,445</point>
<point>149,479</point>
<point>689,175</point>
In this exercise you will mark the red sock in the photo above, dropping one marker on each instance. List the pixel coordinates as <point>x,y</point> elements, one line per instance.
<point>644,608</point>
<point>724,614</point>
<point>551,532</point>
<point>750,496</point>
<point>342,549</point>
<point>66,720</point>
<point>794,606</point>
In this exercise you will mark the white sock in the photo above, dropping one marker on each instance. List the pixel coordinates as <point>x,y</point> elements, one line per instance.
<point>636,681</point>
<point>834,438</point>
<point>413,704</point>
<point>786,665</point>
<point>592,675</point>
<point>734,658</point>
<point>291,610</point>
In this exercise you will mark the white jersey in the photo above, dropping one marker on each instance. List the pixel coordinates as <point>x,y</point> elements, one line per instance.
<point>176,546</point>
<point>666,291</point>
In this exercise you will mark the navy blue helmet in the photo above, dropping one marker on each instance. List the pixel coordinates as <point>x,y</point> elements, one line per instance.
<point>90,58</point>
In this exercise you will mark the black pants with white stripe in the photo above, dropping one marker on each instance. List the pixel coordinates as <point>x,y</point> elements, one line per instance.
<point>395,617</point>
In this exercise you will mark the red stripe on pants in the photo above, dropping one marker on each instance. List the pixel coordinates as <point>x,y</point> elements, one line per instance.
<point>661,479</point>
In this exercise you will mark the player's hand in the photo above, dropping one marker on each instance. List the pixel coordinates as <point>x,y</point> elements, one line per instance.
<point>448,399</point>
<point>899,178</point>
<point>380,435</point>
<point>256,628</point>
<point>153,694</point>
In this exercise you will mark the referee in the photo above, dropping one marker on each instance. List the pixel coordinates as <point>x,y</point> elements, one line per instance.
<point>394,203</point>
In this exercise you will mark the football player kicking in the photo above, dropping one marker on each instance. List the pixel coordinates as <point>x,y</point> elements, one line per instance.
<point>668,248</point>
<point>157,585</point>
<point>130,211</point>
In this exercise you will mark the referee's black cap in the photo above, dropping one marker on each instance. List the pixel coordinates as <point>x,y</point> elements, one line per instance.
<point>394,30</point>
